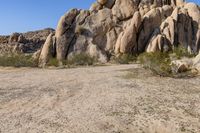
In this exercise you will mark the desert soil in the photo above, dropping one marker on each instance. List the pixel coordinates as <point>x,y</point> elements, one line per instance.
<point>104,99</point>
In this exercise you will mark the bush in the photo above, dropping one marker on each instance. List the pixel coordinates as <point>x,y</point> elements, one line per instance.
<point>53,62</point>
<point>125,59</point>
<point>157,62</point>
<point>80,60</point>
<point>160,64</point>
<point>17,60</point>
<point>182,52</point>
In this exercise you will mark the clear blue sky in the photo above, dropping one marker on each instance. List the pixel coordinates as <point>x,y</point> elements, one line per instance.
<point>27,15</point>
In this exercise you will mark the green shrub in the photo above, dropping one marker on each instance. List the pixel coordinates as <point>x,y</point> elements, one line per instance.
<point>53,62</point>
<point>182,52</point>
<point>17,60</point>
<point>80,60</point>
<point>125,59</point>
<point>160,64</point>
<point>157,62</point>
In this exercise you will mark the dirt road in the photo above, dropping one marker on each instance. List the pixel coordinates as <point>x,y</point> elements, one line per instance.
<point>105,99</point>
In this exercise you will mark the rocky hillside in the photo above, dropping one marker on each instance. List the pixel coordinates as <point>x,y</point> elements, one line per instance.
<point>24,42</point>
<point>113,27</point>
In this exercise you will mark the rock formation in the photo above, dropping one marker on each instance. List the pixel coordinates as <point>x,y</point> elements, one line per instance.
<point>113,27</point>
<point>28,42</point>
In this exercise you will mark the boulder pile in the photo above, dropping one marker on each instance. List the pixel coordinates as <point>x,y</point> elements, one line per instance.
<point>115,27</point>
<point>28,42</point>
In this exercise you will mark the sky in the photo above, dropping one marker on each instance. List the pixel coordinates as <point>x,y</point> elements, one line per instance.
<point>29,15</point>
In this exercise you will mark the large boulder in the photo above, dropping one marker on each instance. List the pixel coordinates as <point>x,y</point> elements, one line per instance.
<point>127,42</point>
<point>166,11</point>
<point>151,21</point>
<point>124,9</point>
<point>184,30</point>
<point>182,65</point>
<point>95,7</point>
<point>65,33</point>
<point>102,2</point>
<point>194,12</point>
<point>46,51</point>
<point>78,46</point>
<point>96,27</point>
<point>180,3</point>
<point>196,62</point>
<point>109,3</point>
<point>169,29</point>
<point>95,52</point>
<point>158,43</point>
<point>111,36</point>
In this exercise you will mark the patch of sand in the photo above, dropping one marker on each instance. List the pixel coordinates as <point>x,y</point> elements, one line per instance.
<point>95,100</point>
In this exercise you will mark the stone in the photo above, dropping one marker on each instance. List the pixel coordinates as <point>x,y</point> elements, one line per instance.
<point>194,13</point>
<point>102,2</point>
<point>46,51</point>
<point>151,21</point>
<point>182,65</point>
<point>95,52</point>
<point>127,41</point>
<point>124,9</point>
<point>180,3</point>
<point>111,40</point>
<point>109,4</point>
<point>166,11</point>
<point>80,46</point>
<point>196,60</point>
<point>95,7</point>
<point>65,33</point>
<point>21,39</point>
<point>158,43</point>
<point>14,37</point>
<point>169,29</point>
<point>36,55</point>
<point>97,26</point>
<point>185,31</point>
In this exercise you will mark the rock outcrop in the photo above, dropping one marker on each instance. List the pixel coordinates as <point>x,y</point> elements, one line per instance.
<point>28,42</point>
<point>47,50</point>
<point>113,27</point>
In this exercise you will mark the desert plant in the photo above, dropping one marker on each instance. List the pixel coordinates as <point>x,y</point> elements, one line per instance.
<point>17,60</point>
<point>180,52</point>
<point>53,62</point>
<point>160,64</point>
<point>124,59</point>
<point>80,60</point>
<point>157,62</point>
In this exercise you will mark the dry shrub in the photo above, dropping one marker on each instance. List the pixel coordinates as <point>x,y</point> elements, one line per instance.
<point>17,60</point>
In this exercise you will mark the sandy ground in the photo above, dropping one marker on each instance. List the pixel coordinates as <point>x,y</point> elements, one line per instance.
<point>105,99</point>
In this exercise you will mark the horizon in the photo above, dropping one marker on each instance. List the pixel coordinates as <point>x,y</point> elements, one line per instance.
<point>23,16</point>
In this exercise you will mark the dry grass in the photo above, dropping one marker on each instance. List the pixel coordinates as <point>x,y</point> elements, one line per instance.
<point>17,60</point>
<point>124,59</point>
<point>81,59</point>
